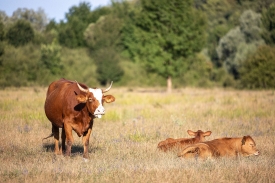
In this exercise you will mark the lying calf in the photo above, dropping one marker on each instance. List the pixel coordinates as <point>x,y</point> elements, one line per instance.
<point>228,147</point>
<point>181,143</point>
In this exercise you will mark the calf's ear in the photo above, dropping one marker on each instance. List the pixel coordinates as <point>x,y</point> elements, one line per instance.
<point>108,98</point>
<point>191,133</point>
<point>243,140</point>
<point>81,98</point>
<point>208,133</point>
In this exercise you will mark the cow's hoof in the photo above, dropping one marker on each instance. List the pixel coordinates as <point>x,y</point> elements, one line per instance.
<point>85,160</point>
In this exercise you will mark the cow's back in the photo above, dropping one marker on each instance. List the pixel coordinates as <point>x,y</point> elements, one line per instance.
<point>170,143</point>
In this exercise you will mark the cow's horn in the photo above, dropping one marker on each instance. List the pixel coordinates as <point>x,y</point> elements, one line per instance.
<point>81,88</point>
<point>109,87</point>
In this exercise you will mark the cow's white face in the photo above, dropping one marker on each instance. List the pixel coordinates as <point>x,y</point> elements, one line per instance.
<point>99,111</point>
<point>94,98</point>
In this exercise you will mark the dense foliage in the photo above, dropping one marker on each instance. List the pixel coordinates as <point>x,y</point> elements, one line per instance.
<point>167,32</point>
<point>143,43</point>
<point>20,33</point>
<point>258,71</point>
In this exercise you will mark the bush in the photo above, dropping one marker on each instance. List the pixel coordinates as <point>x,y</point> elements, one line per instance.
<point>20,33</point>
<point>198,72</point>
<point>50,58</point>
<point>108,68</point>
<point>269,24</point>
<point>19,66</point>
<point>258,71</point>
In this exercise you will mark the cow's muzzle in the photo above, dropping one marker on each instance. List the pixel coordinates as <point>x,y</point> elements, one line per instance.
<point>99,112</point>
<point>257,153</point>
<point>98,115</point>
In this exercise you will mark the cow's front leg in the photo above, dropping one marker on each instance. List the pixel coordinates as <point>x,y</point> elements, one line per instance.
<point>69,139</point>
<point>85,141</point>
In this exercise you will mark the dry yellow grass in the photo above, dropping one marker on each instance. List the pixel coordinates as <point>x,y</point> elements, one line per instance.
<point>123,143</point>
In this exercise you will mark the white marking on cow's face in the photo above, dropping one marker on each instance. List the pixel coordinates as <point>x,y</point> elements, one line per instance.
<point>98,95</point>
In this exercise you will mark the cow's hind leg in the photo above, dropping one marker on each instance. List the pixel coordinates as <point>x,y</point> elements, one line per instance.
<point>63,137</point>
<point>55,131</point>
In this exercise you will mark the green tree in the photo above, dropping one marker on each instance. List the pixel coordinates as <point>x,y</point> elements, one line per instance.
<point>218,13</point>
<point>108,68</point>
<point>2,35</point>
<point>164,34</point>
<point>198,72</point>
<point>102,39</point>
<point>20,33</point>
<point>38,19</point>
<point>239,42</point>
<point>19,65</point>
<point>268,19</point>
<point>51,32</point>
<point>104,33</point>
<point>250,26</point>
<point>258,71</point>
<point>71,32</point>
<point>98,12</point>
<point>50,58</point>
<point>2,30</point>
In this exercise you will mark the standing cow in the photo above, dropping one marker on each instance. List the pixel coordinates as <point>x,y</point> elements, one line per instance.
<point>73,106</point>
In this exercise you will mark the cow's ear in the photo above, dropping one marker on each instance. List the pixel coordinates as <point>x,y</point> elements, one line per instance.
<point>191,133</point>
<point>243,140</point>
<point>109,98</point>
<point>81,98</point>
<point>208,133</point>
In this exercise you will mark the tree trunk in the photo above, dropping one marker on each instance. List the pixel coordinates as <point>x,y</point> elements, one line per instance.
<point>169,84</point>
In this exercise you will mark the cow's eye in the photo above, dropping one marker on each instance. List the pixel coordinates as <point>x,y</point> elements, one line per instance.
<point>91,100</point>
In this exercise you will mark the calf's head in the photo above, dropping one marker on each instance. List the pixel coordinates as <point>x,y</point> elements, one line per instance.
<point>94,99</point>
<point>199,134</point>
<point>249,147</point>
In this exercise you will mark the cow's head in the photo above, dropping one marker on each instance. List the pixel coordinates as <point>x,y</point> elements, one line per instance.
<point>249,146</point>
<point>94,99</point>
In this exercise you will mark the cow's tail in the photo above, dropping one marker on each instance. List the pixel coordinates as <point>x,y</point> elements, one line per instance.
<point>189,149</point>
<point>51,135</point>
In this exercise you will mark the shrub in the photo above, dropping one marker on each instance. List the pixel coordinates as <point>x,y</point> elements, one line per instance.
<point>108,68</point>
<point>50,58</point>
<point>258,71</point>
<point>19,66</point>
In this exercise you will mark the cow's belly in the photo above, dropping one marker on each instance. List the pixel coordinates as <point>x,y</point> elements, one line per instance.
<point>54,115</point>
<point>53,110</point>
<point>55,119</point>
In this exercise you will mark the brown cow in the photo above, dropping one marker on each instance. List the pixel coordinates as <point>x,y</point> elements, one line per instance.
<point>73,106</point>
<point>171,143</point>
<point>228,147</point>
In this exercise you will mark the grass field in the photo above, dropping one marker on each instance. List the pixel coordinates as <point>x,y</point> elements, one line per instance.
<point>123,143</point>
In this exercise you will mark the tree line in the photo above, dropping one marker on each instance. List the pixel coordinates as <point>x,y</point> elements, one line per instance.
<point>224,43</point>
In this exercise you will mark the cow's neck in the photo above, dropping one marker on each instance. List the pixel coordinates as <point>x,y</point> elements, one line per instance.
<point>235,143</point>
